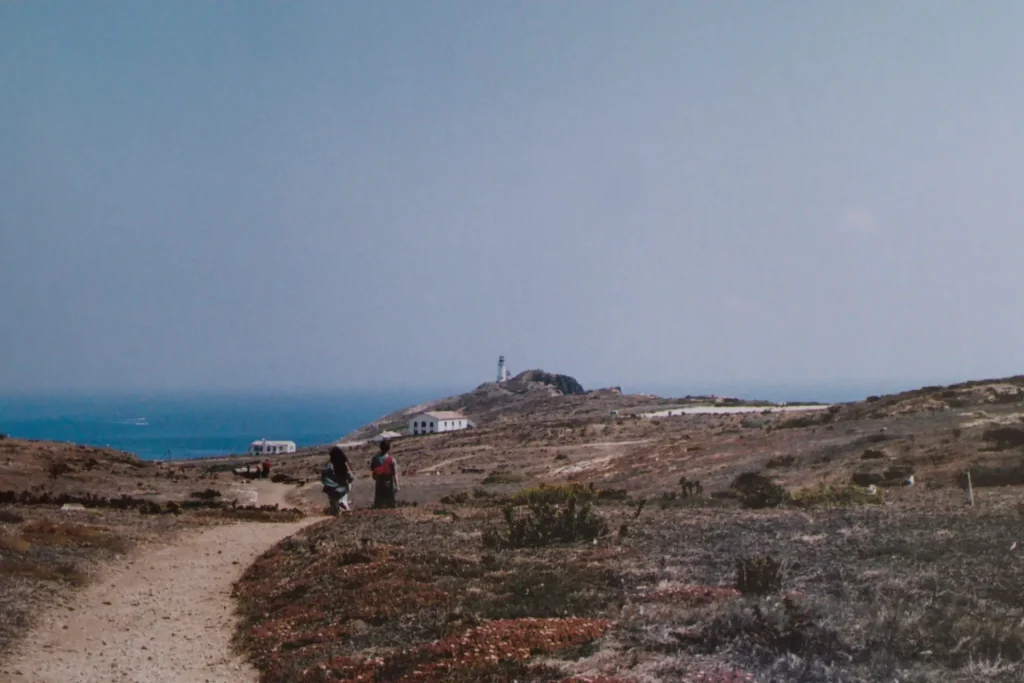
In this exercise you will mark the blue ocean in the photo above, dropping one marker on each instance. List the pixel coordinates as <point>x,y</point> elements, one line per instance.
<point>198,425</point>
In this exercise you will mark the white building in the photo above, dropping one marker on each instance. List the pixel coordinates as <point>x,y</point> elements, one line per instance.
<point>437,422</point>
<point>503,372</point>
<point>264,447</point>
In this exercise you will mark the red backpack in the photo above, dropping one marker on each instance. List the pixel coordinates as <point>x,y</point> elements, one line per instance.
<point>383,467</point>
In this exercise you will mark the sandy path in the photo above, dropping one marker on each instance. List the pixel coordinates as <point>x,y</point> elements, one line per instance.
<point>166,616</point>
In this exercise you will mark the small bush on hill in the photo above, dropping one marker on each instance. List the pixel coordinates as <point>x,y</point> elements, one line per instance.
<point>554,495</point>
<point>503,477</point>
<point>690,487</point>
<point>758,575</point>
<point>981,475</point>
<point>1005,437</point>
<point>11,517</point>
<point>835,495</point>
<point>208,494</point>
<point>758,491</point>
<point>57,469</point>
<point>460,498</point>
<point>780,461</point>
<point>770,628</point>
<point>547,524</point>
<point>672,499</point>
<point>812,420</point>
<point>14,544</point>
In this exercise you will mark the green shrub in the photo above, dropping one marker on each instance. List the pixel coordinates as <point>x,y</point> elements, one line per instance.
<point>758,491</point>
<point>835,495</point>
<point>759,575</point>
<point>545,524</point>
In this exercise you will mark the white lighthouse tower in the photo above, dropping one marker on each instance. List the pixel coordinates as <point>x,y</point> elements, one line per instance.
<point>503,373</point>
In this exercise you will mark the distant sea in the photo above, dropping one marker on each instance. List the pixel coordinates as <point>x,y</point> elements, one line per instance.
<point>198,425</point>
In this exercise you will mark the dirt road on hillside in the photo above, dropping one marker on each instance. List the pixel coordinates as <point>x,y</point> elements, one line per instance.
<point>165,616</point>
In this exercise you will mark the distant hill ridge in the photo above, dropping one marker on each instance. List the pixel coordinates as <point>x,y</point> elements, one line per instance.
<point>530,391</point>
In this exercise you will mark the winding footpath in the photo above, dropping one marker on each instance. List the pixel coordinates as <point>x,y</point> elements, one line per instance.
<point>166,616</point>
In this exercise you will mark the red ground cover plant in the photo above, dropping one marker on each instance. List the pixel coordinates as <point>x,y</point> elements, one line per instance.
<point>403,599</point>
<point>475,654</point>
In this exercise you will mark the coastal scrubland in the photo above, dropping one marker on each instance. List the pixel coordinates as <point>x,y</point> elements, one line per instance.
<point>573,538</point>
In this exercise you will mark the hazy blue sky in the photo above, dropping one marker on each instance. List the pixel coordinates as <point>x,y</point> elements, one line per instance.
<point>349,195</point>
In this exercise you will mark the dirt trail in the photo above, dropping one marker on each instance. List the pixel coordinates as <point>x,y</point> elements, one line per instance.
<point>165,616</point>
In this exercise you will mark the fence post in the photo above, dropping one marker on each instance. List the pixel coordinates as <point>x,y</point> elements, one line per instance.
<point>970,488</point>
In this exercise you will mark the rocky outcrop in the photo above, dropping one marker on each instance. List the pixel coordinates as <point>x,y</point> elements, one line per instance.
<point>564,384</point>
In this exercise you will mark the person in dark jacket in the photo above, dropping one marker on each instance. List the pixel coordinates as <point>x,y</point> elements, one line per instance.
<point>337,480</point>
<point>385,477</point>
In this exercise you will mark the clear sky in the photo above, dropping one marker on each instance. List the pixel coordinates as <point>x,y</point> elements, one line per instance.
<point>228,195</point>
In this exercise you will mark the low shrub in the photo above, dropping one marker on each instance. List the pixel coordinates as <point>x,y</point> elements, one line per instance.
<point>873,454</point>
<point>11,517</point>
<point>556,494</point>
<point>14,544</point>
<point>64,573</point>
<point>757,491</point>
<point>770,629</point>
<point>690,487</point>
<point>546,524</point>
<point>208,494</point>
<point>780,461</point>
<point>57,468</point>
<point>981,475</point>
<point>460,498</point>
<point>1005,437</point>
<point>835,496</point>
<point>812,420</point>
<point>503,477</point>
<point>43,532</point>
<point>759,575</point>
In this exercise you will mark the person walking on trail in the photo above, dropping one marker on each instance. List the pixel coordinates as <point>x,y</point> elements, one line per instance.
<point>266,469</point>
<point>385,476</point>
<point>337,480</point>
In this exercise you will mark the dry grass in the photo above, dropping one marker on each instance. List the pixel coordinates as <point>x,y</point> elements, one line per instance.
<point>14,544</point>
<point>44,532</point>
<point>39,571</point>
<point>921,590</point>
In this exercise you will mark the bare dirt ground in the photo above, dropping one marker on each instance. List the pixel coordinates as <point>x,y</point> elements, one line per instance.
<point>165,614</point>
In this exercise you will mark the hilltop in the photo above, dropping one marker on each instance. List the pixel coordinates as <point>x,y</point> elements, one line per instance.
<point>532,396</point>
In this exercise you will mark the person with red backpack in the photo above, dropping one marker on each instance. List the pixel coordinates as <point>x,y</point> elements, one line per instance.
<point>385,475</point>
